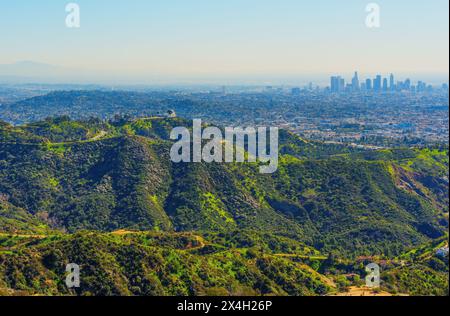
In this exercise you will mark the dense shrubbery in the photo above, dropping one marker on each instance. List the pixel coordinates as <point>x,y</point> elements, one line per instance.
<point>70,176</point>
<point>148,264</point>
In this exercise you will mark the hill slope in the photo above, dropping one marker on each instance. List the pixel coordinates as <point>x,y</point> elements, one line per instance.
<point>104,176</point>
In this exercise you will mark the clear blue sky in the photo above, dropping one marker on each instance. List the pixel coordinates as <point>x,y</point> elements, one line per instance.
<point>229,37</point>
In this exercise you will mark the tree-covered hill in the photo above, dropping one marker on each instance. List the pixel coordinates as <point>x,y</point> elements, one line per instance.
<point>63,180</point>
<point>130,263</point>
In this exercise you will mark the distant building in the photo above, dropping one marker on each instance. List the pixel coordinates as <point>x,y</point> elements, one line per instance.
<point>377,84</point>
<point>392,82</point>
<point>421,86</point>
<point>171,114</point>
<point>407,84</point>
<point>369,84</point>
<point>355,82</point>
<point>341,84</point>
<point>337,84</point>
<point>385,85</point>
<point>334,84</point>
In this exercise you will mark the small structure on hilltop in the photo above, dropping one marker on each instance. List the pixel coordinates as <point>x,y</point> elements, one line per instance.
<point>442,252</point>
<point>171,114</point>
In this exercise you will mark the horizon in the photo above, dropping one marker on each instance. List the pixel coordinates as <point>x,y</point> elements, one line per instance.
<point>65,76</point>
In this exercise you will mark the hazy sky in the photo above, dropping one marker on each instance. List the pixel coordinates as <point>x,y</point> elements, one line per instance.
<point>229,37</point>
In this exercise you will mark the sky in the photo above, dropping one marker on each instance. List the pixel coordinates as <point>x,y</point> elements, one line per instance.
<point>229,38</point>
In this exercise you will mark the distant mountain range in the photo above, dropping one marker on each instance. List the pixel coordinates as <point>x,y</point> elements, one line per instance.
<point>30,71</point>
<point>37,72</point>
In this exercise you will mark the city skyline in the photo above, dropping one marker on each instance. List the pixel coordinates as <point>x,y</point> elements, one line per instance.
<point>380,84</point>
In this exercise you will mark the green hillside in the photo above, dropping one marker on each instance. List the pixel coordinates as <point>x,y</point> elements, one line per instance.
<point>65,186</point>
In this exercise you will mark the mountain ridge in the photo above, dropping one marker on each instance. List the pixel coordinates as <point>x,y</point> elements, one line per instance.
<point>70,180</point>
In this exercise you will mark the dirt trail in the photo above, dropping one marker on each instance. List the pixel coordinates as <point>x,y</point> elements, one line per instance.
<point>288,255</point>
<point>98,136</point>
<point>363,291</point>
<point>23,235</point>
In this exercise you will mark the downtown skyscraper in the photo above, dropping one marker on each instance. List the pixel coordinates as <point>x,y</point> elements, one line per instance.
<point>377,84</point>
<point>391,83</point>
<point>337,84</point>
<point>355,82</point>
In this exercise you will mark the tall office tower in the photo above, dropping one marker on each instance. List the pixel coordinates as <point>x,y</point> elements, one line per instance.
<point>341,84</point>
<point>369,84</point>
<point>391,83</point>
<point>407,84</point>
<point>377,84</point>
<point>355,82</point>
<point>421,86</point>
<point>385,85</point>
<point>334,84</point>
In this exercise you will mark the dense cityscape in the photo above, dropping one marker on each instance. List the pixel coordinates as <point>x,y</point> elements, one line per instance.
<point>378,112</point>
<point>380,85</point>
